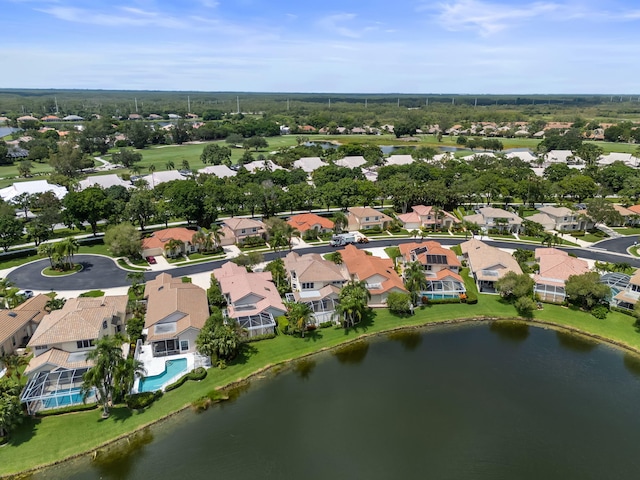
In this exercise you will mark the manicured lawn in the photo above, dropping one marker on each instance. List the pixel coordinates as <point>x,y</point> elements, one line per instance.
<point>97,249</point>
<point>590,237</point>
<point>61,273</point>
<point>392,252</point>
<point>126,266</point>
<point>628,231</point>
<point>92,294</point>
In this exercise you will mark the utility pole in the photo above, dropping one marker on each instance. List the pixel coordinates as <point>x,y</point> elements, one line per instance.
<point>56,100</point>
<point>287,104</point>
<point>136,100</point>
<point>188,104</point>
<point>329,102</point>
<point>238,103</point>
<point>475,104</point>
<point>398,102</point>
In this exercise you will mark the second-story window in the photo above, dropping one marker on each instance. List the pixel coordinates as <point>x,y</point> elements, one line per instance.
<point>307,285</point>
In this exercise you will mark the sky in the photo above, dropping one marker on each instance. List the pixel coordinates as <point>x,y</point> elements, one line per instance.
<point>344,46</point>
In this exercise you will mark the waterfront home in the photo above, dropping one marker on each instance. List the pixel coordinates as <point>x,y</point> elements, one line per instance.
<point>399,160</point>
<point>176,312</point>
<point>488,264</point>
<point>628,297</point>
<point>490,218</point>
<point>220,171</point>
<point>103,181</point>
<point>310,222</point>
<point>236,230</point>
<point>316,282</point>
<point>158,242</point>
<point>18,324</point>
<point>60,346</point>
<point>252,298</point>
<point>430,217</point>
<point>366,218</point>
<point>378,274</point>
<point>556,266</point>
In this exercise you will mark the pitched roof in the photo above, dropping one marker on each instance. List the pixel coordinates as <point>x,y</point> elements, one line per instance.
<point>104,181</point>
<point>484,258</point>
<point>557,211</point>
<point>79,319</point>
<point>307,221</point>
<point>238,223</point>
<point>353,161</point>
<point>169,301</point>
<point>313,268</point>
<point>237,284</point>
<point>362,212</point>
<point>160,238</point>
<point>556,266</point>
<point>220,171</point>
<point>309,164</point>
<point>429,247</point>
<point>363,267</point>
<point>399,160</point>
<point>13,320</point>
<point>625,212</point>
<point>635,209</point>
<point>60,359</point>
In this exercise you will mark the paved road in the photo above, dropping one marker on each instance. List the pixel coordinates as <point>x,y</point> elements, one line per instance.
<point>617,245</point>
<point>102,272</point>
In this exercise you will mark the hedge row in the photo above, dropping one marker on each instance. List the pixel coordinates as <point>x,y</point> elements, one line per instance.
<point>138,401</point>
<point>70,409</point>
<point>195,375</point>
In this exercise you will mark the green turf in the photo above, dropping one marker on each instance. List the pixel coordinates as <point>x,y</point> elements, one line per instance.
<point>50,272</point>
<point>49,439</point>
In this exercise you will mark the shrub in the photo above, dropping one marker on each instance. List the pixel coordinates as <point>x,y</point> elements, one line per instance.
<point>204,402</point>
<point>70,409</point>
<point>444,301</point>
<point>375,229</point>
<point>399,303</point>
<point>250,242</point>
<point>195,375</point>
<point>472,298</point>
<point>327,324</point>
<point>257,338</point>
<point>138,401</point>
<point>600,311</point>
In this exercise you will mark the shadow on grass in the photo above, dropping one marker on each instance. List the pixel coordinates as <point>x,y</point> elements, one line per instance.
<point>363,325</point>
<point>313,336</point>
<point>118,414</point>
<point>25,432</point>
<point>246,352</point>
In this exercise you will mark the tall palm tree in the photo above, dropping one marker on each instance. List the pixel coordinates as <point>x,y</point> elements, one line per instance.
<point>170,165</point>
<point>354,299</point>
<point>14,364</point>
<point>298,315</point>
<point>289,232</point>
<point>71,247</point>
<point>173,247</point>
<point>340,222</point>
<point>152,168</point>
<point>107,359</point>
<point>216,234</point>
<point>125,376</point>
<point>46,249</point>
<point>415,280</point>
<point>6,286</point>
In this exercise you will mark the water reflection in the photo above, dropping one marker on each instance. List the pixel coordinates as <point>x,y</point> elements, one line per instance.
<point>632,364</point>
<point>409,339</point>
<point>510,330</point>
<point>119,460</point>
<point>353,353</point>
<point>304,367</point>
<point>574,342</point>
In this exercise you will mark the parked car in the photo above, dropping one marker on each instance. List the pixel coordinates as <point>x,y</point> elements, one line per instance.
<point>25,293</point>
<point>151,260</point>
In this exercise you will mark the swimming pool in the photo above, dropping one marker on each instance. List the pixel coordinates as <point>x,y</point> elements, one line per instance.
<point>63,398</point>
<point>172,369</point>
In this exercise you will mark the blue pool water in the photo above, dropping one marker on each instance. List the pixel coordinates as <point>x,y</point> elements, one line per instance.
<point>172,368</point>
<point>62,398</point>
<point>440,296</point>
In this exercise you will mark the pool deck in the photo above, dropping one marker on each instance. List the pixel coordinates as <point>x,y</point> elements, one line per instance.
<point>156,365</point>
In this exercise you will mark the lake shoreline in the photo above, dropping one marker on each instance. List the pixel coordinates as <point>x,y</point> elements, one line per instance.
<point>544,324</point>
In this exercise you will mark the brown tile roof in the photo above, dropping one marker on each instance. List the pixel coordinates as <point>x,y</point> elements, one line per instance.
<point>79,319</point>
<point>433,248</point>
<point>13,320</point>
<point>556,266</point>
<point>313,268</point>
<point>160,238</point>
<point>363,212</point>
<point>170,300</point>
<point>56,358</point>
<point>364,267</point>
<point>625,212</point>
<point>307,221</point>
<point>484,257</point>
<point>635,209</point>
<point>240,223</point>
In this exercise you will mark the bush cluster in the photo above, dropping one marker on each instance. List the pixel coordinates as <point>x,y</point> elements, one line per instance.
<point>138,401</point>
<point>83,407</point>
<point>196,375</point>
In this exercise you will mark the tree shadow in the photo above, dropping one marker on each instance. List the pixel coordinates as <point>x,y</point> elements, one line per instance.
<point>313,336</point>
<point>352,354</point>
<point>363,325</point>
<point>574,342</point>
<point>118,461</point>
<point>118,414</point>
<point>632,364</point>
<point>409,339</point>
<point>304,367</point>
<point>509,330</point>
<point>244,355</point>
<point>25,431</point>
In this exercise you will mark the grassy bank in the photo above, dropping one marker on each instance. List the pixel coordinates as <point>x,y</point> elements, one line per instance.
<point>47,440</point>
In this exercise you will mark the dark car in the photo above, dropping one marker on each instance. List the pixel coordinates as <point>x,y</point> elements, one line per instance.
<point>151,260</point>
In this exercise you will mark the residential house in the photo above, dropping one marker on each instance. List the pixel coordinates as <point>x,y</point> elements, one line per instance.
<point>555,268</point>
<point>427,217</point>
<point>490,218</point>
<point>176,312</point>
<point>310,222</point>
<point>562,219</point>
<point>33,187</point>
<point>309,164</point>
<point>73,118</point>
<point>220,171</point>
<point>156,178</point>
<point>236,230</point>
<point>18,324</point>
<point>157,243</point>
<point>441,268</point>
<point>103,181</point>
<point>628,297</point>
<point>366,218</point>
<point>316,282</point>
<point>627,217</point>
<point>378,274</point>
<point>488,264</point>
<point>50,118</point>
<point>262,165</point>
<point>399,160</point>
<point>252,298</point>
<point>60,346</point>
<point>353,161</point>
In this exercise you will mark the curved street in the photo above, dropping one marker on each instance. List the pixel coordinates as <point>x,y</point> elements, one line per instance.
<point>102,272</point>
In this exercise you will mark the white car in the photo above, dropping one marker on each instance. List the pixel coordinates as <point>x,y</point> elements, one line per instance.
<point>25,293</point>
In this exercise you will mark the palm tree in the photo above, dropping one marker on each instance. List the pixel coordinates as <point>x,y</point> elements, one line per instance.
<point>415,280</point>
<point>336,257</point>
<point>170,165</point>
<point>340,222</point>
<point>298,315</point>
<point>14,364</point>
<point>46,249</point>
<point>55,304</point>
<point>354,298</point>
<point>185,165</point>
<point>71,246</point>
<point>125,375</point>
<point>289,232</point>
<point>136,279</point>
<point>173,247</point>
<point>152,168</point>
<point>6,286</point>
<point>107,359</point>
<point>414,233</point>
<point>215,231</point>
<point>134,169</point>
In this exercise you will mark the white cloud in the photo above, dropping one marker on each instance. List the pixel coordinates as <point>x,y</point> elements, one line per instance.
<point>487,18</point>
<point>122,16</point>
<point>335,24</point>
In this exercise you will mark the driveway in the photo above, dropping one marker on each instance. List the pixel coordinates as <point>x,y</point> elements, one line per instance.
<point>102,272</point>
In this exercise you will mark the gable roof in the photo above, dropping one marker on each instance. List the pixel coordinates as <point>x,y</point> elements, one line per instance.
<point>238,223</point>
<point>160,238</point>
<point>353,161</point>
<point>79,319</point>
<point>13,320</point>
<point>363,212</point>
<point>556,266</point>
<point>168,298</point>
<point>313,268</point>
<point>309,164</point>
<point>483,258</point>
<point>429,247</point>
<point>557,211</point>
<point>363,266</point>
<point>104,181</point>
<point>307,221</point>
<point>220,171</point>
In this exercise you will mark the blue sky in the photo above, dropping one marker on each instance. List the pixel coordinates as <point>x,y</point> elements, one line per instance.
<point>370,46</point>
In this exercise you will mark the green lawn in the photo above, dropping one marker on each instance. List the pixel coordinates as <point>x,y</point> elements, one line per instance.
<point>40,441</point>
<point>627,230</point>
<point>50,272</point>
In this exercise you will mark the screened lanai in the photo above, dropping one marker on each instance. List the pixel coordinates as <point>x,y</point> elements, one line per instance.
<point>259,324</point>
<point>55,389</point>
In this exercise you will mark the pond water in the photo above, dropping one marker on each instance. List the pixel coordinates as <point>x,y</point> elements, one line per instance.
<point>491,401</point>
<point>4,131</point>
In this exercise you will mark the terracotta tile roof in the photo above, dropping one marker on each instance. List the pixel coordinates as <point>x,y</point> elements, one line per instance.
<point>307,221</point>
<point>483,257</point>
<point>57,359</point>
<point>625,212</point>
<point>238,285</point>
<point>169,300</point>
<point>364,267</point>
<point>444,273</point>
<point>13,320</point>
<point>79,319</point>
<point>635,209</point>
<point>432,248</point>
<point>160,238</point>
<point>237,223</point>
<point>556,266</point>
<point>313,268</point>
